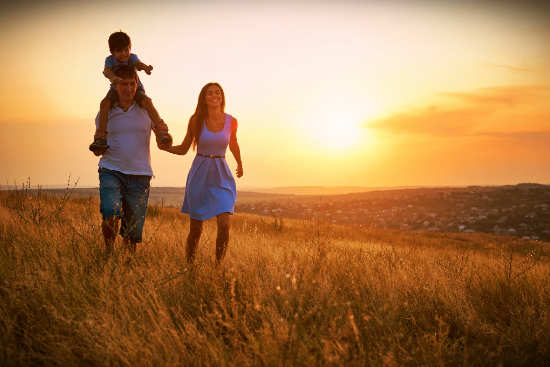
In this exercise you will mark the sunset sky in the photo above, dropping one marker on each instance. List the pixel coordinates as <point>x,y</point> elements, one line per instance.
<point>355,93</point>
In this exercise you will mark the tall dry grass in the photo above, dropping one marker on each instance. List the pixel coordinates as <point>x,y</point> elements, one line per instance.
<point>290,293</point>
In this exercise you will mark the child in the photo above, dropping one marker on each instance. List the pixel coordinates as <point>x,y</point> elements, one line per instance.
<point>120,45</point>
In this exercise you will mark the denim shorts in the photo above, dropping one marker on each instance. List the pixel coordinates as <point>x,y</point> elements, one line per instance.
<point>124,196</point>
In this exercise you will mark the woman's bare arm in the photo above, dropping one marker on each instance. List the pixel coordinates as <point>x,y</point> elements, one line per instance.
<point>183,148</point>
<point>234,147</point>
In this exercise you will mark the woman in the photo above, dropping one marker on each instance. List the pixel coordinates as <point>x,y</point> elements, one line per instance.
<point>210,190</point>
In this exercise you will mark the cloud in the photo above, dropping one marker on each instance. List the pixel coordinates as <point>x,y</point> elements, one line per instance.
<point>540,135</point>
<point>512,68</point>
<point>486,111</point>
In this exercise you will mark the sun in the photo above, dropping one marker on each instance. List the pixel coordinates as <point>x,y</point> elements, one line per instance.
<point>338,134</point>
<point>336,130</point>
<point>336,124</point>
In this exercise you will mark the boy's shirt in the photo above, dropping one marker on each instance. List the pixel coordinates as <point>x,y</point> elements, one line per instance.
<point>112,62</point>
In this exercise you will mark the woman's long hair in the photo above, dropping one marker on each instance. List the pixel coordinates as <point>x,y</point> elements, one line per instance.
<point>201,112</point>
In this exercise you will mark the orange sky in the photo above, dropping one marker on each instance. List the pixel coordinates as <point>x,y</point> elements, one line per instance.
<point>344,93</point>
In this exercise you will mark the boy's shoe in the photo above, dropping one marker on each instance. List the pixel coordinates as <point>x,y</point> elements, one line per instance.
<point>99,146</point>
<point>164,138</point>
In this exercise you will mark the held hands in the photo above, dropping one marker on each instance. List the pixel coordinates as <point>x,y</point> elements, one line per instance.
<point>148,69</point>
<point>162,142</point>
<point>239,171</point>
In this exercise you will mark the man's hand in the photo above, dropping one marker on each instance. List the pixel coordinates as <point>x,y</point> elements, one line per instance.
<point>148,69</point>
<point>163,146</point>
<point>164,139</point>
<point>239,171</point>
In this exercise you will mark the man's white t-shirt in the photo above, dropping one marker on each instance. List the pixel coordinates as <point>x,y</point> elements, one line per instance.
<point>128,137</point>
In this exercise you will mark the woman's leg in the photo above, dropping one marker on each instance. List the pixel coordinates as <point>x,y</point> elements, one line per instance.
<point>195,230</point>
<point>222,238</point>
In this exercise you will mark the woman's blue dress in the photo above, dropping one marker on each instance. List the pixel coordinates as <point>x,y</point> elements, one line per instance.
<point>210,189</point>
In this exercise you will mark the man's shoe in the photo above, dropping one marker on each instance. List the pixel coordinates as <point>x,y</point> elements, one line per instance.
<point>99,146</point>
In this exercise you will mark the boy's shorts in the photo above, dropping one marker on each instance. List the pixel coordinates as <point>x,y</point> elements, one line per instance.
<point>124,196</point>
<point>113,96</point>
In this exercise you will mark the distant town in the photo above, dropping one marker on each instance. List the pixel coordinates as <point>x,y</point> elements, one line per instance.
<point>521,210</point>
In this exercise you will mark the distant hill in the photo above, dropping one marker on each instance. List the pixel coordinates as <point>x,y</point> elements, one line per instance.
<point>322,190</point>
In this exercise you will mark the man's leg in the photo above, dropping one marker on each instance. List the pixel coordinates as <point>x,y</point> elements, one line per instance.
<point>130,244</point>
<point>135,196</point>
<point>109,226</point>
<point>222,238</point>
<point>110,205</point>
<point>195,230</point>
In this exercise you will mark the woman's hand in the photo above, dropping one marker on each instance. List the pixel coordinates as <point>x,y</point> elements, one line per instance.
<point>239,171</point>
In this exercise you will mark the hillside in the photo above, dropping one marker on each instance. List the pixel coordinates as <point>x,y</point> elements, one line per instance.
<point>291,292</point>
<point>521,210</point>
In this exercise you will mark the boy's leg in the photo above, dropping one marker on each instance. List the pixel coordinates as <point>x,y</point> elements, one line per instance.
<point>101,129</point>
<point>99,146</point>
<point>106,104</point>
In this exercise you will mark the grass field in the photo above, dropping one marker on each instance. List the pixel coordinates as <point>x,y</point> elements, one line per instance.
<point>290,293</point>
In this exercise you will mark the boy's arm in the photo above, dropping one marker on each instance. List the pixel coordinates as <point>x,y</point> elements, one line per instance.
<point>108,72</point>
<point>142,66</point>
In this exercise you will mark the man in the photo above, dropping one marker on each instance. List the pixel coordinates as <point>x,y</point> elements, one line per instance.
<point>125,168</point>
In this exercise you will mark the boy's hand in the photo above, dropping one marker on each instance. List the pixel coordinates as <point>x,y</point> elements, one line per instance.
<point>116,79</point>
<point>148,69</point>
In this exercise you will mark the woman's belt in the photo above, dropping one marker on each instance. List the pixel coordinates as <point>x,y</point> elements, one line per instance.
<point>211,156</point>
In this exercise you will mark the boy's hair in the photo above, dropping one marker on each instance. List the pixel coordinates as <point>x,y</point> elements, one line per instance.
<point>118,41</point>
<point>125,72</point>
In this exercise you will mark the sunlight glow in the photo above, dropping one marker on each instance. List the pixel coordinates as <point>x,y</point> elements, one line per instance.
<point>336,125</point>
<point>335,133</point>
